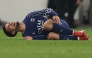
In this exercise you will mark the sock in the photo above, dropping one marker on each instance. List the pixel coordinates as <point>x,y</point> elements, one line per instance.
<point>67,37</point>
<point>61,29</point>
<point>39,37</point>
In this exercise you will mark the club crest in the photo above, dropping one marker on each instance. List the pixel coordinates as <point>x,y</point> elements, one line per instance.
<point>32,19</point>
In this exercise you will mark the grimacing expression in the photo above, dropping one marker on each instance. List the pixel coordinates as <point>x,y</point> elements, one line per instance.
<point>11,26</point>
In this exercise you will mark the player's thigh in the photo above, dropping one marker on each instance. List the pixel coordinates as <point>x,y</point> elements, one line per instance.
<point>49,21</point>
<point>48,24</point>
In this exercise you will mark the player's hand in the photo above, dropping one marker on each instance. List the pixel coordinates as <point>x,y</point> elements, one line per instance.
<point>57,19</point>
<point>28,38</point>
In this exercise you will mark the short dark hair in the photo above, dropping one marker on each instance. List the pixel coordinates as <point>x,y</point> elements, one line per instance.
<point>8,33</point>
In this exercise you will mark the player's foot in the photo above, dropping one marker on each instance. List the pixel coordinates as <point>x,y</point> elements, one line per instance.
<point>86,37</point>
<point>79,33</point>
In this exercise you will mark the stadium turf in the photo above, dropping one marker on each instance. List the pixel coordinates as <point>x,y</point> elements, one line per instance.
<point>19,48</point>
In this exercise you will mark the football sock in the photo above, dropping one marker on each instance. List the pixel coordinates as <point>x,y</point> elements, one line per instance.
<point>61,30</point>
<point>67,37</point>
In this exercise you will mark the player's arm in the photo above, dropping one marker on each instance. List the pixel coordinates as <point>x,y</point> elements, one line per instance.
<point>37,37</point>
<point>51,36</point>
<point>40,37</point>
<point>47,11</point>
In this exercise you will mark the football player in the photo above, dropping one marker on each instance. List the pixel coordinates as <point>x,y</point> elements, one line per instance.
<point>42,25</point>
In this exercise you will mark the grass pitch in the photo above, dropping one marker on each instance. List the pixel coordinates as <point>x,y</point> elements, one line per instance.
<point>19,48</point>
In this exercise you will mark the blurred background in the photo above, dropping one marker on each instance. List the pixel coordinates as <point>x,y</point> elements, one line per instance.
<point>77,13</point>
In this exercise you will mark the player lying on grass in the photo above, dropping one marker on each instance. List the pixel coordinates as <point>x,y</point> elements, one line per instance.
<point>43,24</point>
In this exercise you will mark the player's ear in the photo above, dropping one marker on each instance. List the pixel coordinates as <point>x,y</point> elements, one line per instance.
<point>13,32</point>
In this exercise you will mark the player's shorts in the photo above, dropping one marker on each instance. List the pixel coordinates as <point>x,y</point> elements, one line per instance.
<point>64,23</point>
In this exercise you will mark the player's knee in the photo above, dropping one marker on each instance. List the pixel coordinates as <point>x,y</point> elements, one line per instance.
<point>53,36</point>
<point>47,26</point>
<point>50,37</point>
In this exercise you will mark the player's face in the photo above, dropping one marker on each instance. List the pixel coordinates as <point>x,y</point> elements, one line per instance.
<point>11,26</point>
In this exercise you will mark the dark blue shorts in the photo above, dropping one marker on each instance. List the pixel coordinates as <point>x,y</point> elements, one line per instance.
<point>64,23</point>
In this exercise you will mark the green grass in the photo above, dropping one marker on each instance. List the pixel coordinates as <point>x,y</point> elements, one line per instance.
<point>19,48</point>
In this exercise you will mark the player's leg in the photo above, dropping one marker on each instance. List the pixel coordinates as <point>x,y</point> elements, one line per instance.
<point>50,25</point>
<point>55,36</point>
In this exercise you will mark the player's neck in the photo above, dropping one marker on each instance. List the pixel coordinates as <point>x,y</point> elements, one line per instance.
<point>22,27</point>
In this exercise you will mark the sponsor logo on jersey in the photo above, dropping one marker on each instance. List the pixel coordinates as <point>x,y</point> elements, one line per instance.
<point>40,26</point>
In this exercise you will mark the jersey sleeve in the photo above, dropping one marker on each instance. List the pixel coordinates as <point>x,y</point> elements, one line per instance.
<point>47,11</point>
<point>40,37</point>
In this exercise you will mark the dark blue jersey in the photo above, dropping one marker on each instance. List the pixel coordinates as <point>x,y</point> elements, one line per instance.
<point>34,22</point>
